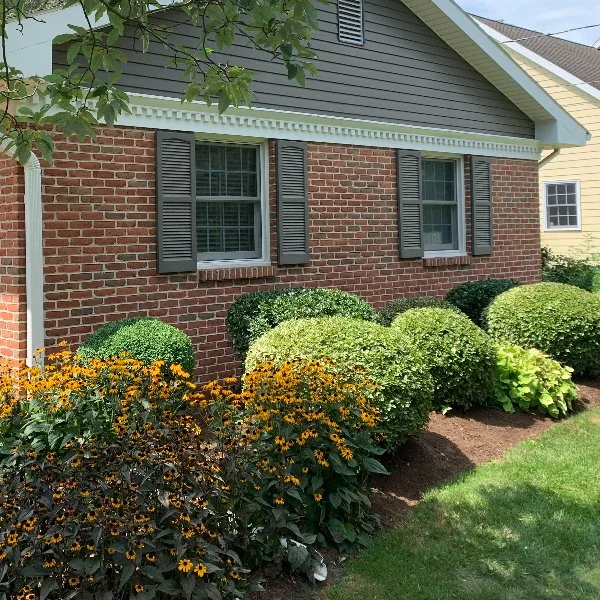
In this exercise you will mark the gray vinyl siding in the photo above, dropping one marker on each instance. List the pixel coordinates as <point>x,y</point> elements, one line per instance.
<point>404,74</point>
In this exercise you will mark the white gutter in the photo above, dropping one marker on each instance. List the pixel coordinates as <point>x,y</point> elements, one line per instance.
<point>34,257</point>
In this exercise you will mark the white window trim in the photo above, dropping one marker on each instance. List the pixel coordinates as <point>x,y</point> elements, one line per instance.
<point>577,183</point>
<point>265,257</point>
<point>461,213</point>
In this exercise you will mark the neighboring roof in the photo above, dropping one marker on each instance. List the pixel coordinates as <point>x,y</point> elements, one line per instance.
<point>554,126</point>
<point>578,59</point>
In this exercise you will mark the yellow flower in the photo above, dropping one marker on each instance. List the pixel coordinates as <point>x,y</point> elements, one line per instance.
<point>130,554</point>
<point>318,497</point>
<point>185,565</point>
<point>139,588</point>
<point>200,570</point>
<point>279,501</point>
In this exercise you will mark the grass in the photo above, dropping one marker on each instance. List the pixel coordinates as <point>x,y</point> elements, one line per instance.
<point>526,527</point>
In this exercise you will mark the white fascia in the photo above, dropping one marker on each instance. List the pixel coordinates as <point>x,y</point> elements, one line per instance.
<point>34,257</point>
<point>540,61</point>
<point>153,112</point>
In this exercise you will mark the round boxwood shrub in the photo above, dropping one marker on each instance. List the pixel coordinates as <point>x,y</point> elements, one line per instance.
<point>397,307</point>
<point>561,320</point>
<point>255,313</point>
<point>144,339</point>
<point>461,355</point>
<point>473,297</point>
<point>405,387</point>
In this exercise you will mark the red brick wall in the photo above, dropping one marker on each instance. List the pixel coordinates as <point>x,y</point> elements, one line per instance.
<point>99,219</point>
<point>13,316</point>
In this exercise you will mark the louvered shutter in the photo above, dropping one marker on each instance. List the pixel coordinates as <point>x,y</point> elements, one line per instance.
<point>410,207</point>
<point>350,21</point>
<point>176,201</point>
<point>481,201</point>
<point>292,203</point>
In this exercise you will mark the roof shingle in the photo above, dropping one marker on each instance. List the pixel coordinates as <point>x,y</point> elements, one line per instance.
<point>578,59</point>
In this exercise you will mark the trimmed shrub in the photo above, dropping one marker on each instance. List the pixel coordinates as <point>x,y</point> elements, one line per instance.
<point>473,297</point>
<point>254,314</point>
<point>460,354</point>
<point>144,339</point>
<point>397,307</point>
<point>557,268</point>
<point>529,379</point>
<point>391,361</point>
<point>560,320</point>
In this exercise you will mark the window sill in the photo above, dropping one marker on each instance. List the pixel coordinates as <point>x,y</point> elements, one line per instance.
<point>446,261</point>
<point>236,272</point>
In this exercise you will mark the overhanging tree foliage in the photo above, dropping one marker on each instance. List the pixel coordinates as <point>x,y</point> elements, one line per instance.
<point>75,99</point>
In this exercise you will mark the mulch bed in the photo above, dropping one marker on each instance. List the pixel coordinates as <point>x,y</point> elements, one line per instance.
<point>450,445</point>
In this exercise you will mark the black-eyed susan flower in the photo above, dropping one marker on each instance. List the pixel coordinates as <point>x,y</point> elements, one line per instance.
<point>185,565</point>
<point>200,570</point>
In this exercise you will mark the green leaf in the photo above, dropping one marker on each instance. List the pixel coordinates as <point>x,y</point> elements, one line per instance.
<point>126,574</point>
<point>47,587</point>
<point>374,466</point>
<point>296,556</point>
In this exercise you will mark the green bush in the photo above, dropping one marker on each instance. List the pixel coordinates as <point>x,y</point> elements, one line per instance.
<point>397,307</point>
<point>473,297</point>
<point>253,314</point>
<point>144,339</point>
<point>390,360</point>
<point>560,320</point>
<point>557,268</point>
<point>527,378</point>
<point>460,354</point>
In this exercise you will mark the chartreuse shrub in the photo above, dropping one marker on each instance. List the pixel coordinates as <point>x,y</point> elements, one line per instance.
<point>397,307</point>
<point>473,297</point>
<point>253,314</point>
<point>529,379</point>
<point>145,339</point>
<point>313,431</point>
<point>459,354</point>
<point>404,388</point>
<point>560,320</point>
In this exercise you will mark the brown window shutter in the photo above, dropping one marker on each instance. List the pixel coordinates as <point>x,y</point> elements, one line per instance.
<point>481,205</point>
<point>292,203</point>
<point>410,207</point>
<point>176,202</point>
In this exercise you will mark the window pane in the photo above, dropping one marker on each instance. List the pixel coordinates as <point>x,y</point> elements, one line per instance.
<point>226,226</point>
<point>438,225</point>
<point>439,180</point>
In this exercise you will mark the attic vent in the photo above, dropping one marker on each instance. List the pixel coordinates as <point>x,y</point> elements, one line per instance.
<point>350,21</point>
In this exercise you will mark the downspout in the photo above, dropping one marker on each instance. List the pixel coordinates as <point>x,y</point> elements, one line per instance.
<point>548,158</point>
<point>34,257</point>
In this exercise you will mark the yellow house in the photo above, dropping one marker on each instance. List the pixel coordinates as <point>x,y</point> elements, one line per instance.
<point>569,178</point>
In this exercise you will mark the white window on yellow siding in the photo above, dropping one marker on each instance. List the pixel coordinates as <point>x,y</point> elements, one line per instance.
<point>562,206</point>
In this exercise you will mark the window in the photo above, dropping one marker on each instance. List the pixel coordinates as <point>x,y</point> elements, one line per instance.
<point>442,205</point>
<point>228,201</point>
<point>350,22</point>
<point>562,205</point>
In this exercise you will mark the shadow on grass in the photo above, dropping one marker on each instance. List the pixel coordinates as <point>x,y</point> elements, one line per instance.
<point>493,543</point>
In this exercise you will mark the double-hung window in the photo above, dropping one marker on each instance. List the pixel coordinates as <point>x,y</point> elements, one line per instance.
<point>440,205</point>
<point>228,201</point>
<point>562,205</point>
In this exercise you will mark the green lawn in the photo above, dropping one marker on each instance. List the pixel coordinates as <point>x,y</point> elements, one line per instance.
<point>526,527</point>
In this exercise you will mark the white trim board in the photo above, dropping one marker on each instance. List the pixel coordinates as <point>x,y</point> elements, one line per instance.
<point>161,113</point>
<point>554,126</point>
<point>540,61</point>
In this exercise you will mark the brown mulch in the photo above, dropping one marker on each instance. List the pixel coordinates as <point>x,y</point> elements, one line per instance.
<point>450,445</point>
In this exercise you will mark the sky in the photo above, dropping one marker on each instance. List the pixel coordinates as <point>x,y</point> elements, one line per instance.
<point>548,16</point>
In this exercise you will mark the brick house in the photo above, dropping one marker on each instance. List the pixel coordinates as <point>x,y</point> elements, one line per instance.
<point>408,166</point>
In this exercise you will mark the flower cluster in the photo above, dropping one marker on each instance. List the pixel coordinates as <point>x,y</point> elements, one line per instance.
<point>312,432</point>
<point>143,513</point>
<point>72,396</point>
